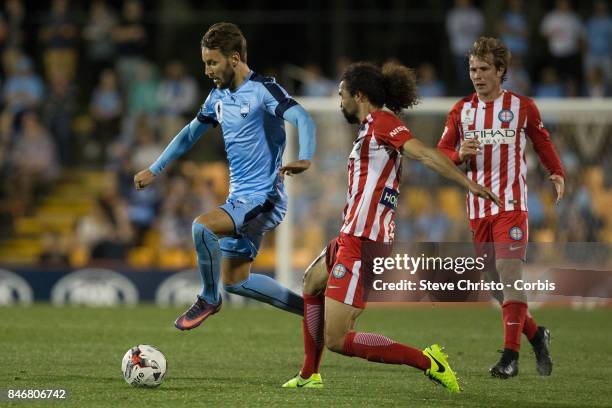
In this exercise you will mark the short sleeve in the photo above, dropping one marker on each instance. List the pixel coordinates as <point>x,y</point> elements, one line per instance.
<point>450,137</point>
<point>276,99</point>
<point>392,132</point>
<point>207,113</point>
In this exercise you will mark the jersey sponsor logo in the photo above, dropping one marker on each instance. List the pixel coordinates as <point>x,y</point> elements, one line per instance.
<point>516,233</point>
<point>339,271</point>
<point>505,115</point>
<point>492,136</point>
<point>219,111</point>
<point>389,198</point>
<point>467,116</point>
<point>245,108</point>
<point>398,129</point>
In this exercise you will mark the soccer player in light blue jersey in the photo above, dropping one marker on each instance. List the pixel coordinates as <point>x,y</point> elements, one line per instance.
<point>251,110</point>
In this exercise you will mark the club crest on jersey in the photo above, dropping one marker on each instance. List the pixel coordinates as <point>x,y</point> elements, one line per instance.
<point>219,111</point>
<point>505,115</point>
<point>244,109</point>
<point>389,198</point>
<point>516,233</point>
<point>467,116</point>
<point>339,271</point>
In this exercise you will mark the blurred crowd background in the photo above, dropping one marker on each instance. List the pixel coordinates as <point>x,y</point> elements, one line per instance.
<point>92,92</point>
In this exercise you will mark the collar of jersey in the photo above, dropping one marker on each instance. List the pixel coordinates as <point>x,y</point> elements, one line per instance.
<point>247,79</point>
<point>481,103</point>
<point>370,117</point>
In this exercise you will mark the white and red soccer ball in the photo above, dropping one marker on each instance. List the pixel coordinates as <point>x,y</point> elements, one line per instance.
<point>144,366</point>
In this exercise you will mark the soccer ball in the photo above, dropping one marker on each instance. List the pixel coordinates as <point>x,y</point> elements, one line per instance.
<point>144,366</point>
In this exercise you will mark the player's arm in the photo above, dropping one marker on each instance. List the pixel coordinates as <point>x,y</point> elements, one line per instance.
<point>440,163</point>
<point>278,103</point>
<point>545,149</point>
<point>450,140</point>
<point>298,117</point>
<point>181,143</point>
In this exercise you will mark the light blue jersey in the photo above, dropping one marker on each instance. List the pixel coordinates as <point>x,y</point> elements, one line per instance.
<point>252,120</point>
<point>253,130</point>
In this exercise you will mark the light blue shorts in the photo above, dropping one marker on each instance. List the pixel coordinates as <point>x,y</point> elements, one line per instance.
<point>253,216</point>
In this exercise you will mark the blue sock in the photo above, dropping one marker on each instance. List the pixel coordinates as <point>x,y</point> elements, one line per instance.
<point>267,290</point>
<point>209,262</point>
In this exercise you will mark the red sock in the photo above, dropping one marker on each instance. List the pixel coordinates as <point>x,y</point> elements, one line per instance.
<point>312,327</point>
<point>513,315</point>
<point>530,328</point>
<point>380,349</point>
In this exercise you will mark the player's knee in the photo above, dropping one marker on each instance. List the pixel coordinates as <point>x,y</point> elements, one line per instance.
<point>334,343</point>
<point>202,235</point>
<point>201,219</point>
<point>309,286</point>
<point>509,269</point>
<point>334,339</point>
<point>234,288</point>
<point>315,279</point>
<point>234,278</point>
<point>210,223</point>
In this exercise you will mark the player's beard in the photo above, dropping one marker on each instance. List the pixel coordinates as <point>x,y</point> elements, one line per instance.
<point>228,77</point>
<point>350,117</point>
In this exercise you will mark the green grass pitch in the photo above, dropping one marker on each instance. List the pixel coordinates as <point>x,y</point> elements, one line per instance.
<point>240,357</point>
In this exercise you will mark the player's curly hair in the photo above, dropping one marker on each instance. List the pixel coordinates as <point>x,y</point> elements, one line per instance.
<point>393,85</point>
<point>486,47</point>
<point>227,38</point>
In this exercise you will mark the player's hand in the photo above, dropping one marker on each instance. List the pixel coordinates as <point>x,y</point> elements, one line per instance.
<point>143,178</point>
<point>559,184</point>
<point>483,192</point>
<point>469,147</point>
<point>295,167</point>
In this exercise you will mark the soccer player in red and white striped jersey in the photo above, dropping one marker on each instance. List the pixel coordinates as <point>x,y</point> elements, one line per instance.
<point>333,283</point>
<point>487,134</point>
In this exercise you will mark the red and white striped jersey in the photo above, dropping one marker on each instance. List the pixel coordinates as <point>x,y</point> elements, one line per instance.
<point>502,127</point>
<point>374,168</point>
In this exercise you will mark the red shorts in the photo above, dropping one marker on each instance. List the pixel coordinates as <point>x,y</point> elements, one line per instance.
<point>503,235</point>
<point>343,261</point>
